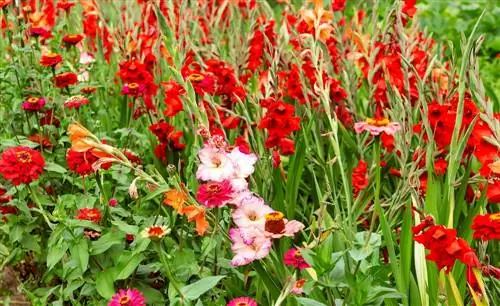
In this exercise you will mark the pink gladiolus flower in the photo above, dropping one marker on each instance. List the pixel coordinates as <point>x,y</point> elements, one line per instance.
<point>293,257</point>
<point>247,252</point>
<point>242,301</point>
<point>129,297</point>
<point>251,217</point>
<point>244,163</point>
<point>215,194</point>
<point>86,58</point>
<point>376,126</point>
<point>215,165</point>
<point>277,226</point>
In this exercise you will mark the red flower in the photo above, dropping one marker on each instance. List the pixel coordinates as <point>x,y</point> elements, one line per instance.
<point>50,119</point>
<point>66,79</point>
<point>440,166</point>
<point>33,104</point>
<point>89,214</point>
<point>72,39</point>
<point>81,162</point>
<point>76,102</point>
<point>409,8</point>
<point>359,177</point>
<point>293,257</point>
<point>50,59</point>
<point>21,165</point>
<point>44,141</point>
<point>486,227</point>
<point>338,5</point>
<point>214,194</point>
<point>173,93</point>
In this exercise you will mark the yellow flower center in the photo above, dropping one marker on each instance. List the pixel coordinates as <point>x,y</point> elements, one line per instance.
<point>51,54</point>
<point>378,122</point>
<point>33,100</point>
<point>133,85</point>
<point>495,216</point>
<point>23,157</point>
<point>196,77</point>
<point>274,216</point>
<point>124,300</point>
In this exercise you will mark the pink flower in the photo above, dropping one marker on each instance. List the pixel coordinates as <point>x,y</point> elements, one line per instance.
<point>376,126</point>
<point>215,194</point>
<point>33,104</point>
<point>242,301</point>
<point>133,89</point>
<point>298,286</point>
<point>215,165</point>
<point>244,163</point>
<point>86,58</point>
<point>277,226</point>
<point>129,297</point>
<point>250,217</point>
<point>246,252</point>
<point>293,257</point>
<point>113,202</point>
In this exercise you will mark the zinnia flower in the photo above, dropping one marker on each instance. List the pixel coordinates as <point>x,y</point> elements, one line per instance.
<point>277,226</point>
<point>129,297</point>
<point>376,126</point>
<point>21,165</point>
<point>215,194</point>
<point>72,39</point>
<point>50,59</point>
<point>66,79</point>
<point>89,214</point>
<point>155,232</point>
<point>75,102</point>
<point>33,104</point>
<point>293,257</point>
<point>133,89</point>
<point>242,301</point>
<point>298,286</point>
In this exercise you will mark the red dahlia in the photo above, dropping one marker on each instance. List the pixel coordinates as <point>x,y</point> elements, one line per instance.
<point>21,165</point>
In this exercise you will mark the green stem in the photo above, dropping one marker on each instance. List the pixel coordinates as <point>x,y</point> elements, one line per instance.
<point>40,207</point>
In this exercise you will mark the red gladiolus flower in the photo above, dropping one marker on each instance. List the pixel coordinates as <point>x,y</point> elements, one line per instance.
<point>21,165</point>
<point>66,79</point>
<point>440,166</point>
<point>50,59</point>
<point>65,5</point>
<point>72,39</point>
<point>214,194</point>
<point>4,3</point>
<point>89,214</point>
<point>338,5</point>
<point>409,8</point>
<point>293,257</point>
<point>486,227</point>
<point>359,177</point>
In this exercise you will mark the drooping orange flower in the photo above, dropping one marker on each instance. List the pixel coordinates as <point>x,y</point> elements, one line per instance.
<point>81,138</point>
<point>197,214</point>
<point>175,198</point>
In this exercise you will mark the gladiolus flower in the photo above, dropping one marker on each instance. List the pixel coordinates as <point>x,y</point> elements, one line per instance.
<point>293,257</point>
<point>196,214</point>
<point>33,104</point>
<point>175,199</point>
<point>21,165</point>
<point>242,301</point>
<point>215,165</point>
<point>486,227</point>
<point>89,214</point>
<point>155,232</point>
<point>247,251</point>
<point>376,126</point>
<point>129,297</point>
<point>359,177</point>
<point>86,58</point>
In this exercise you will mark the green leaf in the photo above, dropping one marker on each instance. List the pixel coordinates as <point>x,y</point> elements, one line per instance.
<point>53,167</point>
<point>104,284</point>
<point>56,252</point>
<point>128,265</point>
<point>195,290</point>
<point>126,228</point>
<point>308,302</point>
<point>105,242</point>
<point>80,253</point>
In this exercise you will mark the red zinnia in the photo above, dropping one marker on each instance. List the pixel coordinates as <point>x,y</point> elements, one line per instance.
<point>81,162</point>
<point>75,102</point>
<point>50,59</point>
<point>215,194</point>
<point>89,214</point>
<point>66,79</point>
<point>72,39</point>
<point>21,165</point>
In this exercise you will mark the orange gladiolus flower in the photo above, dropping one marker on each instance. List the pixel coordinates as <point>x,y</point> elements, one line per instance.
<point>197,214</point>
<point>175,199</point>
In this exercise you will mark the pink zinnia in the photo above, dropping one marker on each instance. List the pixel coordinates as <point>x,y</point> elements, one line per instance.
<point>376,126</point>
<point>293,257</point>
<point>242,301</point>
<point>133,89</point>
<point>129,297</point>
<point>215,194</point>
<point>33,104</point>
